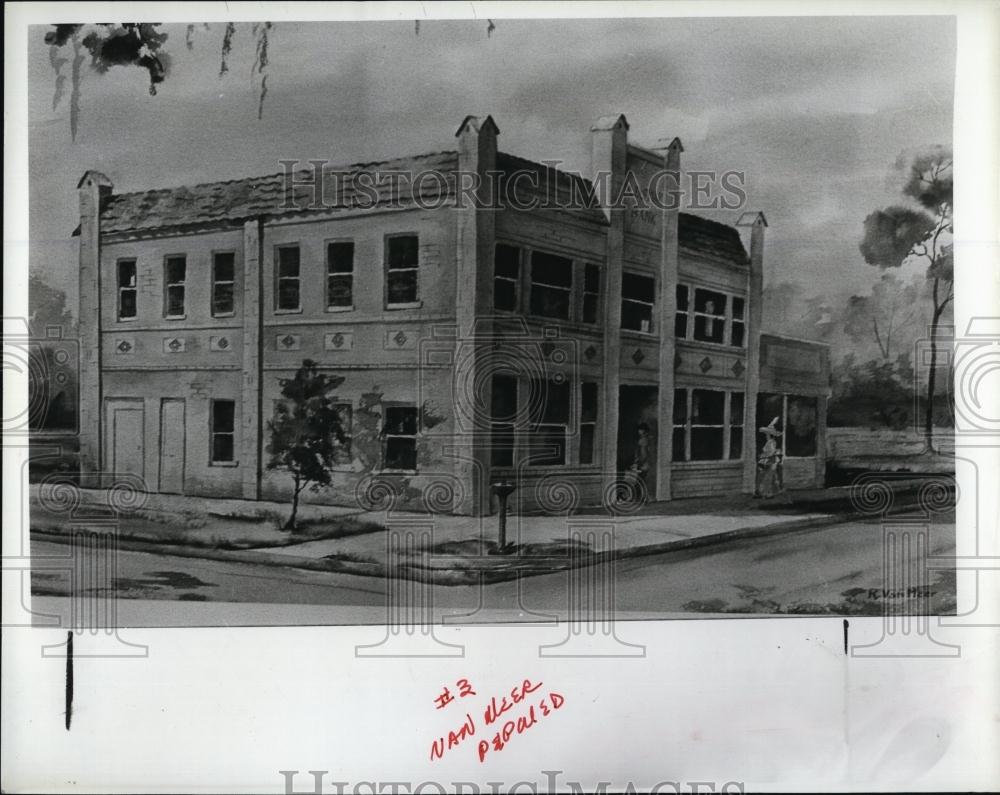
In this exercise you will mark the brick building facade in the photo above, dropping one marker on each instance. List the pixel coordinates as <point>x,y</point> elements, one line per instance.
<point>477,341</point>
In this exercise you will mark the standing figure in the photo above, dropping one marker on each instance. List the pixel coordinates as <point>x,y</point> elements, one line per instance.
<point>640,464</point>
<point>769,474</point>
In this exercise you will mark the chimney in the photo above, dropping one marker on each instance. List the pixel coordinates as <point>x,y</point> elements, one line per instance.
<point>477,144</point>
<point>609,155</point>
<point>755,297</point>
<point>94,188</point>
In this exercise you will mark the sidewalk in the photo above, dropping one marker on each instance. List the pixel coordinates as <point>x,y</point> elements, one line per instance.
<point>451,549</point>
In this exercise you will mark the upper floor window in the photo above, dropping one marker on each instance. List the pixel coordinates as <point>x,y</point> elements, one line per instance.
<point>710,316</point>
<point>223,281</point>
<point>223,431</point>
<point>738,330</point>
<point>638,300</point>
<point>401,269</point>
<point>288,288</point>
<point>506,277</point>
<point>399,437</point>
<point>126,289</point>
<point>681,318</point>
<point>551,285</point>
<point>175,272</point>
<point>591,293</point>
<point>340,274</point>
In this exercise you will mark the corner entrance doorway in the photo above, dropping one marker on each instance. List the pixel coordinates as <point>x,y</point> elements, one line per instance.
<point>637,406</point>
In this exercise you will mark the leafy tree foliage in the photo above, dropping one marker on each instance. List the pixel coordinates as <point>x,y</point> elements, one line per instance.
<point>305,431</point>
<point>138,44</point>
<point>899,234</point>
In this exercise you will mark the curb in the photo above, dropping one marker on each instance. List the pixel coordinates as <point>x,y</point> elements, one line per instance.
<point>508,568</point>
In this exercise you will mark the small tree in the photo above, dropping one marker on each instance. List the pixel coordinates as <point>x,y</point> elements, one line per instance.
<point>897,234</point>
<point>305,431</point>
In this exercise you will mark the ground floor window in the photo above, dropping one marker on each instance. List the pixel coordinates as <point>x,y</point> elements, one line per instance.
<point>588,421</point>
<point>223,431</point>
<point>550,400</point>
<point>342,452</point>
<point>707,425</point>
<point>399,437</point>
<point>797,422</point>
<point>542,422</point>
<point>503,419</point>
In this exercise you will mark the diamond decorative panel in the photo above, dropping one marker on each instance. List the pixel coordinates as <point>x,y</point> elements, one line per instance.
<point>400,339</point>
<point>288,342</point>
<point>174,344</point>
<point>705,365</point>
<point>738,368</point>
<point>590,352</point>
<point>638,356</point>
<point>124,345</point>
<point>338,340</point>
<point>222,343</point>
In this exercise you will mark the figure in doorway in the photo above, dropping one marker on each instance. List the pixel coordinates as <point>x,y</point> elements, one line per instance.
<point>769,466</point>
<point>640,464</point>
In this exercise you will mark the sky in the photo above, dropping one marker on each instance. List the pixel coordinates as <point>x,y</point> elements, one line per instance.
<point>815,112</point>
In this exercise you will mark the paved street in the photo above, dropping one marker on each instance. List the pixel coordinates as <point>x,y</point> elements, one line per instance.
<point>761,575</point>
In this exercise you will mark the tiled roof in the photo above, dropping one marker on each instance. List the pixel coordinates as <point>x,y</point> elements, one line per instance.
<point>710,237</point>
<point>240,199</point>
<point>236,200</point>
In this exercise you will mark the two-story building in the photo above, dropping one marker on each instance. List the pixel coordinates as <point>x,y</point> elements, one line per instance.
<point>486,322</point>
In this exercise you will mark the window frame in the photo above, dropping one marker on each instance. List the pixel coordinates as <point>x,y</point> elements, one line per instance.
<point>784,427</point>
<point>215,282</point>
<point>516,281</point>
<point>652,332</point>
<point>347,429</point>
<point>134,289</point>
<point>328,274</point>
<point>537,423</point>
<point>278,278</point>
<point>679,312</point>
<point>385,436</point>
<point>728,319</point>
<point>167,285</point>
<point>737,321</point>
<point>585,268</point>
<point>212,433</point>
<point>416,302</point>
<point>593,424</point>
<point>505,426</point>
<point>569,290</point>
<point>727,427</point>
<point>723,317</point>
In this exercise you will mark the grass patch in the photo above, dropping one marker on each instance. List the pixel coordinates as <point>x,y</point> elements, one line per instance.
<point>475,546</point>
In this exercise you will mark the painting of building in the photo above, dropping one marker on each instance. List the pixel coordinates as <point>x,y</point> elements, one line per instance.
<point>479,340</point>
